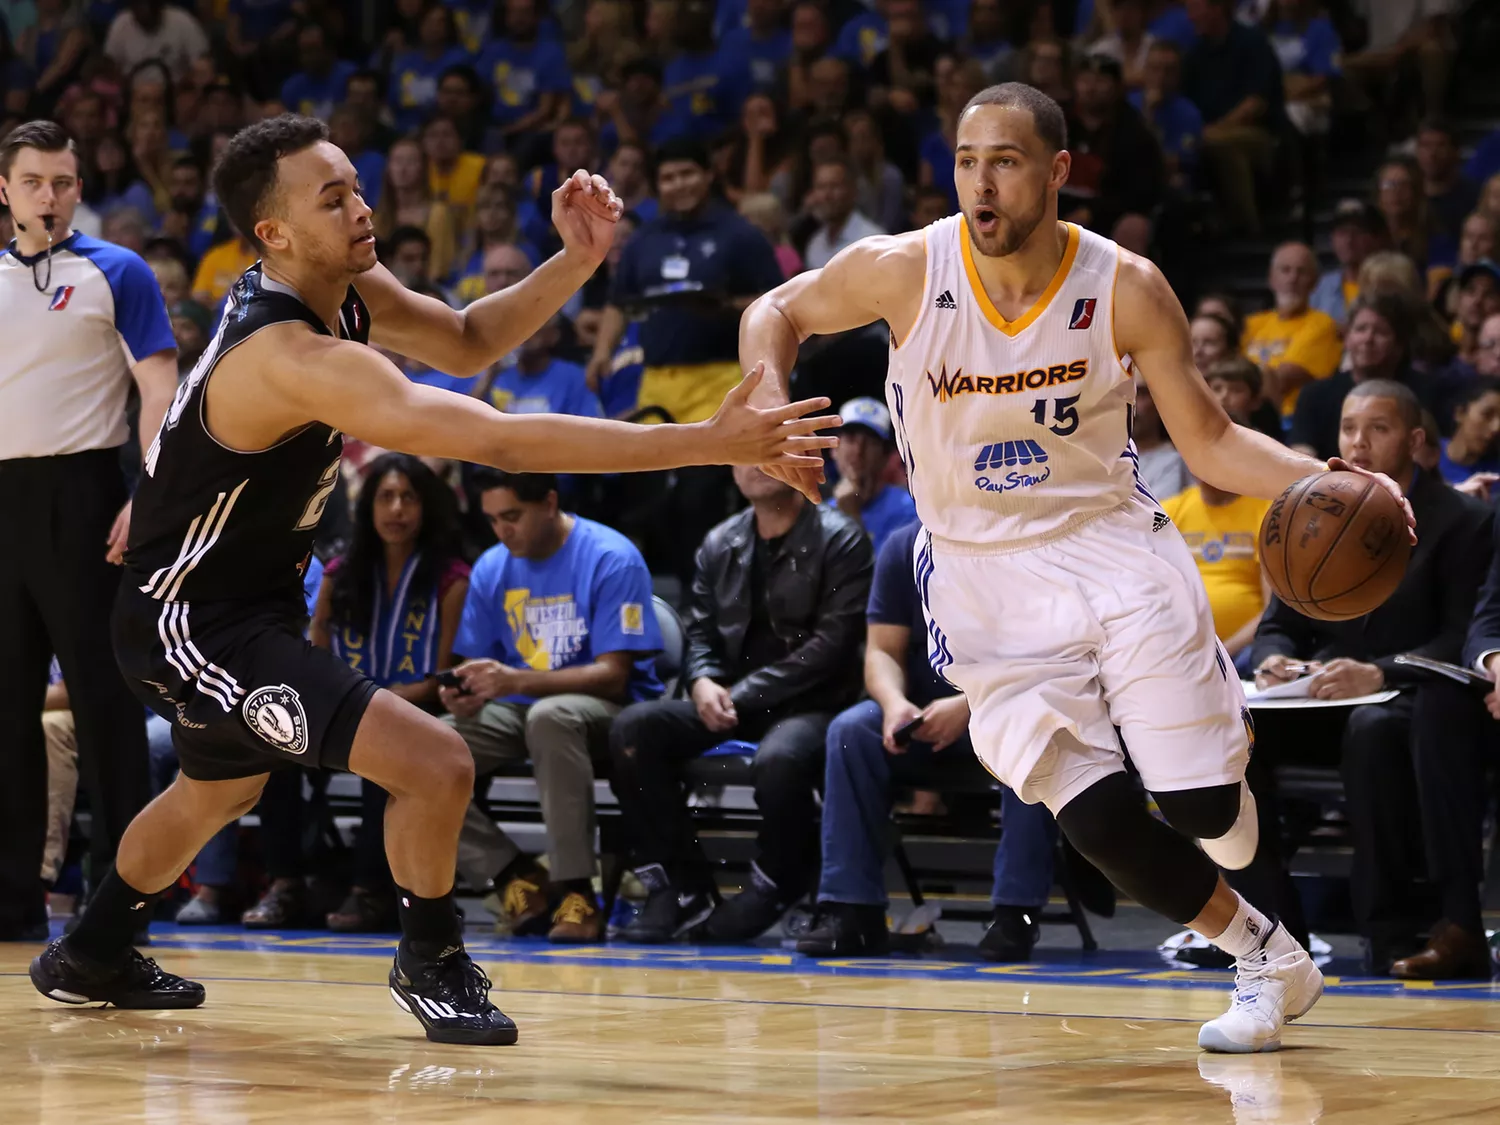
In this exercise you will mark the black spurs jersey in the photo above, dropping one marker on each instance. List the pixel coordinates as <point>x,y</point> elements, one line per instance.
<point>210,523</point>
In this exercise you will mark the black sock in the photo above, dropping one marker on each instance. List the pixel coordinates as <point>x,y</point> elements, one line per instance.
<point>429,926</point>
<point>111,919</point>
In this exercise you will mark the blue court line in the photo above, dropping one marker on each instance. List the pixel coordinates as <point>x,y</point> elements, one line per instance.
<point>501,993</point>
<point>1108,968</point>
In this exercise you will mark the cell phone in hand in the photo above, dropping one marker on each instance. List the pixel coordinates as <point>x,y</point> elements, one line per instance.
<point>448,678</point>
<point>903,735</point>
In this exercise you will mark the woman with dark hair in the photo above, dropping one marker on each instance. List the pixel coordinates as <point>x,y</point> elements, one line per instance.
<point>115,182</point>
<point>390,606</point>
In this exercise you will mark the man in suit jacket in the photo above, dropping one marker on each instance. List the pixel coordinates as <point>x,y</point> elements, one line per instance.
<point>1422,752</point>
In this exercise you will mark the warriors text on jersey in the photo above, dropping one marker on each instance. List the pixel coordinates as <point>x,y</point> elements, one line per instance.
<point>210,523</point>
<point>1013,432</point>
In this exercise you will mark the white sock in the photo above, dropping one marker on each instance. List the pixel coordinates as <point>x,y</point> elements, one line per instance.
<point>1247,931</point>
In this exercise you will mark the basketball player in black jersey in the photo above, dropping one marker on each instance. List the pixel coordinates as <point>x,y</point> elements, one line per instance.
<point>208,625</point>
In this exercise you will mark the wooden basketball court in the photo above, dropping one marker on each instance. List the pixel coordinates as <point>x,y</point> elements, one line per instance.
<point>301,1029</point>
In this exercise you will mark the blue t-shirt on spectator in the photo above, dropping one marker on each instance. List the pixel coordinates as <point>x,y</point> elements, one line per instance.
<point>935,153</point>
<point>205,229</point>
<point>258,18</point>
<point>762,58</point>
<point>862,38</point>
<point>312,581</point>
<point>620,390</point>
<point>137,195</point>
<point>472,20</point>
<point>703,93</point>
<point>891,509</point>
<point>1454,473</point>
<point>520,73</point>
<point>1313,51</point>
<point>1172,23</point>
<point>414,83</point>
<point>316,97</point>
<point>590,597</point>
<point>369,166</point>
<point>559,388</point>
<point>1486,159</point>
<point>729,15</point>
<point>895,600</point>
<point>468,284</point>
<point>1178,126</point>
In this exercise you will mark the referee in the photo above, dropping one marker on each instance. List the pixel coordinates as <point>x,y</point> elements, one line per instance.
<point>79,319</point>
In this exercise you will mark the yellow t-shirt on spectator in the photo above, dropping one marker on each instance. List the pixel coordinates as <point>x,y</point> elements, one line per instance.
<point>459,187</point>
<point>1310,340</point>
<point>1224,541</point>
<point>221,267</point>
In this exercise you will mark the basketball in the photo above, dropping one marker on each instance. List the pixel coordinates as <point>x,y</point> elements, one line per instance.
<point>1334,545</point>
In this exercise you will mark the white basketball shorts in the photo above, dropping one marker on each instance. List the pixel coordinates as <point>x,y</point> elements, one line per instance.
<point>1057,645</point>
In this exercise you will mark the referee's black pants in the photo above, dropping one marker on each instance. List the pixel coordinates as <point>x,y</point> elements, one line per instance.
<point>56,595</point>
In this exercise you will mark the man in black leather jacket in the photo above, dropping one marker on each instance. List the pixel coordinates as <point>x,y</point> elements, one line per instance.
<point>774,627</point>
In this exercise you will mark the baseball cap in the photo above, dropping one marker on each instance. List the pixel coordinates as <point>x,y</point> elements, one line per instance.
<point>1360,213</point>
<point>1485,267</point>
<point>869,413</point>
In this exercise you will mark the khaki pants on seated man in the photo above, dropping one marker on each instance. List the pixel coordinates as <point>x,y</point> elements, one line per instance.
<point>561,734</point>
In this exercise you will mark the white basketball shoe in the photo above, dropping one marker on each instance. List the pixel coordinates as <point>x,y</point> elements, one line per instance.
<point>1272,986</point>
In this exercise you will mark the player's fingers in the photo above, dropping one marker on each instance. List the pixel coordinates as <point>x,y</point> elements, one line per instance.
<point>804,406</point>
<point>810,443</point>
<point>797,461</point>
<point>752,379</point>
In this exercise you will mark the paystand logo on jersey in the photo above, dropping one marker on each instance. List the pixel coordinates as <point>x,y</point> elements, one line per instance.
<point>945,386</point>
<point>1023,458</point>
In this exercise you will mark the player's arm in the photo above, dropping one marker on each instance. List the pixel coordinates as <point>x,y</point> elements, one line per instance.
<point>878,278</point>
<point>1152,329</point>
<point>465,341</point>
<point>357,390</point>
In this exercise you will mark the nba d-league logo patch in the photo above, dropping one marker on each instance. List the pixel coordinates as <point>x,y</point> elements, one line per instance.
<point>61,298</point>
<point>275,713</point>
<point>1083,312</point>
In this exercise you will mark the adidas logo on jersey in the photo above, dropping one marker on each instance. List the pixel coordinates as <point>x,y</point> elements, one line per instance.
<point>1159,521</point>
<point>945,300</point>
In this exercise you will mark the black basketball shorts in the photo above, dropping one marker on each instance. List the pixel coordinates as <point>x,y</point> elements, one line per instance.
<point>244,690</point>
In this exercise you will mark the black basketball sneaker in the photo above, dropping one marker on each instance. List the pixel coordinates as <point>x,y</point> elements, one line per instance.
<point>450,997</point>
<point>132,981</point>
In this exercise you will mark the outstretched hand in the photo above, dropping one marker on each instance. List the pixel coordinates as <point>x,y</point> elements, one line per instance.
<point>585,211</point>
<point>1339,465</point>
<point>782,440</point>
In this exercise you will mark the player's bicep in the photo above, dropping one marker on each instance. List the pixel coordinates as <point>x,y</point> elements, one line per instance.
<point>858,287</point>
<point>1152,330</point>
<point>357,390</point>
<point>412,324</point>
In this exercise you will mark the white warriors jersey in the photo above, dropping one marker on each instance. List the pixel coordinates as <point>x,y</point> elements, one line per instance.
<point>1013,432</point>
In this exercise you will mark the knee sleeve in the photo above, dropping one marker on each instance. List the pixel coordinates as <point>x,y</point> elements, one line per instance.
<point>1153,864</point>
<point>1204,814</point>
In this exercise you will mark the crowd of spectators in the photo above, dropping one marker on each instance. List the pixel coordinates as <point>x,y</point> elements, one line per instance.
<point>750,140</point>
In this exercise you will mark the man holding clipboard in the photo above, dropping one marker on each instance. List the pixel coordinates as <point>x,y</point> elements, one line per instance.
<point>1420,752</point>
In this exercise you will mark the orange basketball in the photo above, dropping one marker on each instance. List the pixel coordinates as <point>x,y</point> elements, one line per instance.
<point>1334,545</point>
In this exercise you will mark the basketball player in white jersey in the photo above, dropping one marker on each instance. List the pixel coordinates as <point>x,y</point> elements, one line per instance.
<point>1059,598</point>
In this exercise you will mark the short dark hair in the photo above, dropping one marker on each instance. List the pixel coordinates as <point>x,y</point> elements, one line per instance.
<point>1046,115</point>
<point>441,118</point>
<point>1231,330</point>
<point>530,488</point>
<point>187,162</point>
<point>466,72</point>
<point>44,136</point>
<point>1439,125</point>
<point>1407,404</point>
<point>1471,392</point>
<point>402,235</point>
<point>245,176</point>
<point>683,148</point>
<point>1236,369</point>
<point>367,74</point>
<point>1394,309</point>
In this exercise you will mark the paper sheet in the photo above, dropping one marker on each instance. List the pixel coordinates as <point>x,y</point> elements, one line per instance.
<point>1286,697</point>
